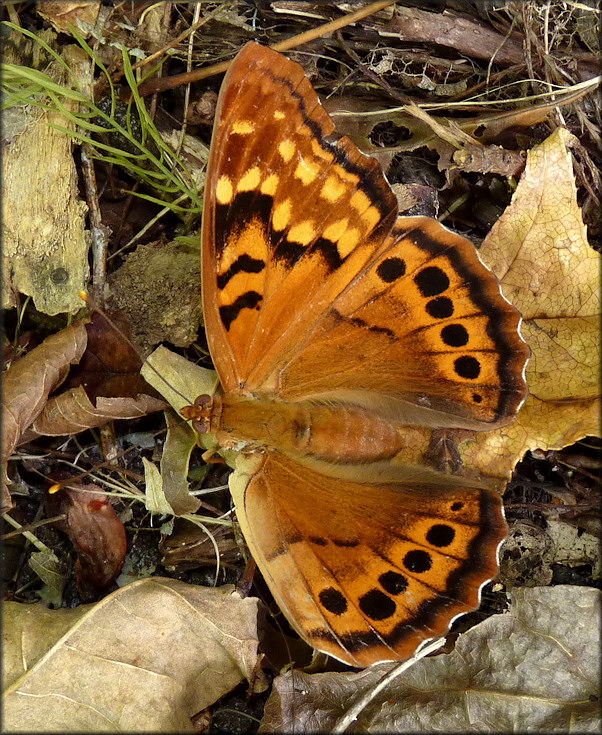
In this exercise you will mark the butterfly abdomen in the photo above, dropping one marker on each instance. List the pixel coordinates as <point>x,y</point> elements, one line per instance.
<point>329,432</point>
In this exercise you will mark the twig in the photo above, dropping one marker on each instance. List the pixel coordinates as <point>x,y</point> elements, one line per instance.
<point>99,232</point>
<point>354,711</point>
<point>160,85</point>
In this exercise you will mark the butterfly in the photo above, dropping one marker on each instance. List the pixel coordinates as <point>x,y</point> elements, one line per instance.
<point>336,326</point>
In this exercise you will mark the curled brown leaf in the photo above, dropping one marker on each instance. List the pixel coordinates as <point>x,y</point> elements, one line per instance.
<point>30,380</point>
<point>98,536</point>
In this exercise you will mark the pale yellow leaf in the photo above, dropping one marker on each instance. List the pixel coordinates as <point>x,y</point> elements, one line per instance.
<point>539,251</point>
<point>144,659</point>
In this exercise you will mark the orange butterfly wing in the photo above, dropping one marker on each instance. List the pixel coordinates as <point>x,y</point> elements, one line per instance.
<point>272,232</point>
<point>390,565</point>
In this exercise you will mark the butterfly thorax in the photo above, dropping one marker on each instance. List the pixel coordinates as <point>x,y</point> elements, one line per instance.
<point>326,431</point>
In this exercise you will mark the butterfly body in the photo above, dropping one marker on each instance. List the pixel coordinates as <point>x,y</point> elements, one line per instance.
<point>327,432</point>
<point>336,328</point>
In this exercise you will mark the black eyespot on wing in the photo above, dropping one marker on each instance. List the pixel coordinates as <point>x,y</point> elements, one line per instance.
<point>431,281</point>
<point>391,269</point>
<point>440,535</point>
<point>440,308</point>
<point>333,601</point>
<point>467,367</point>
<point>417,561</point>
<point>393,582</point>
<point>454,335</point>
<point>376,605</point>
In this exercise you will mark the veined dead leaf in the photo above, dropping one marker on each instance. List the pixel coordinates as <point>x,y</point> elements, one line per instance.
<point>539,251</point>
<point>28,383</point>
<point>145,658</point>
<point>27,412</point>
<point>532,669</point>
<point>73,412</point>
<point>78,14</point>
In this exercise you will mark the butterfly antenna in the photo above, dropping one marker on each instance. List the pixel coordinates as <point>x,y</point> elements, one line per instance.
<point>94,307</point>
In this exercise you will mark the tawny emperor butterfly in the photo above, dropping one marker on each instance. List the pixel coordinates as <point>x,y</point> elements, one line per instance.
<point>333,324</point>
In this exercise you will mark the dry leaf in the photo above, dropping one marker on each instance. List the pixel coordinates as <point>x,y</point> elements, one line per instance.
<point>111,364</point>
<point>357,119</point>
<point>573,546</point>
<point>27,411</point>
<point>180,381</point>
<point>28,382</point>
<point>145,658</point>
<point>97,534</point>
<point>533,669</point>
<point>175,460</point>
<point>109,373</point>
<point>72,412</point>
<point>63,14</point>
<point>485,127</point>
<point>539,251</point>
<point>155,502</point>
<point>176,378</point>
<point>50,570</point>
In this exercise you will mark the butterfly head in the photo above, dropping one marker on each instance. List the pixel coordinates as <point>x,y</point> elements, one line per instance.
<point>199,413</point>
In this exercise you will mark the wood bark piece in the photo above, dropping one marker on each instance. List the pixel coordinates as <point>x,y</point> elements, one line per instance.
<point>45,248</point>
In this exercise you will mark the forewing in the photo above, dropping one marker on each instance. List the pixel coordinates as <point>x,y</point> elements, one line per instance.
<point>290,215</point>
